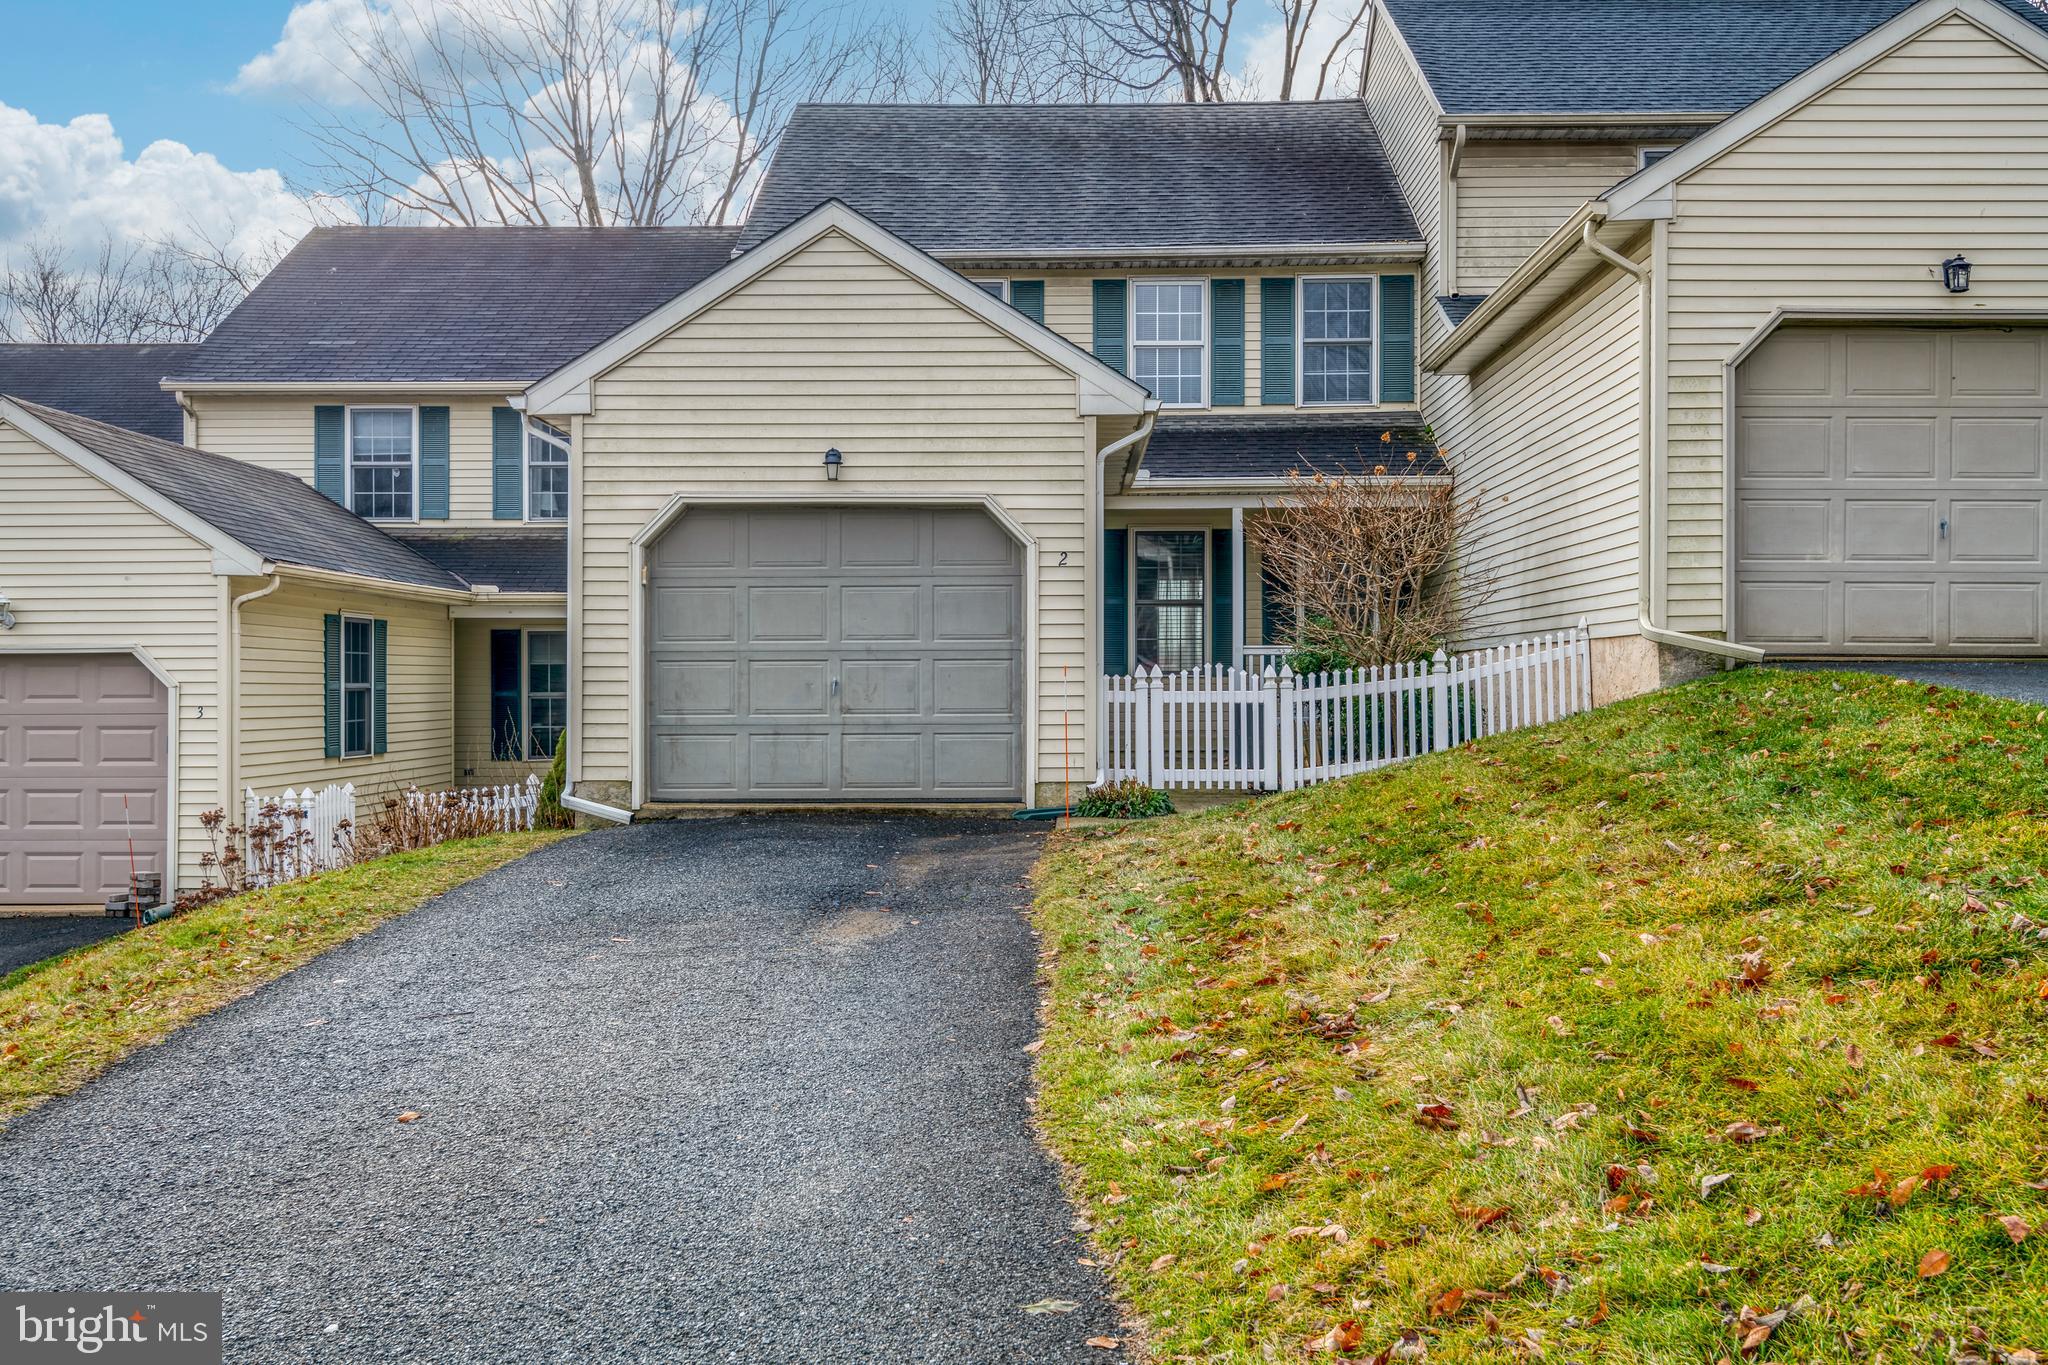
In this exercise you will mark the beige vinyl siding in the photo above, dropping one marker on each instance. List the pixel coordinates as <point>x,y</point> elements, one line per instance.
<point>283,682</point>
<point>1547,444</point>
<point>278,431</point>
<point>831,347</point>
<point>473,761</point>
<point>1848,203</point>
<point>86,566</point>
<point>1513,195</point>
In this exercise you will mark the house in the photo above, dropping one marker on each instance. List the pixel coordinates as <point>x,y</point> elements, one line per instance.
<point>860,502</point>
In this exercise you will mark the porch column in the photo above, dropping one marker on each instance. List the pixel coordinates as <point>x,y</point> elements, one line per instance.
<point>1237,597</point>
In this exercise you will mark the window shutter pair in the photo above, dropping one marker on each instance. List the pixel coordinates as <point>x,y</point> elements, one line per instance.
<point>380,674</point>
<point>1028,298</point>
<point>505,727</point>
<point>330,439</point>
<point>508,466</point>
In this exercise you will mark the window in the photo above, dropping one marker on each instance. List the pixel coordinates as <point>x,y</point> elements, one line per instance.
<point>1170,603</point>
<point>358,680</point>
<point>996,288</point>
<point>1169,339</point>
<point>547,691</point>
<point>381,468</point>
<point>547,473</point>
<point>1650,156</point>
<point>1336,341</point>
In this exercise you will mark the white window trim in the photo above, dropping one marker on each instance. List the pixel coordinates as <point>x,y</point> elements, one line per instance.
<point>527,435</point>
<point>348,459</point>
<point>982,282</point>
<point>1132,342</point>
<point>369,623</point>
<point>526,693</point>
<point>1643,154</point>
<point>1301,338</point>
<point>1208,603</point>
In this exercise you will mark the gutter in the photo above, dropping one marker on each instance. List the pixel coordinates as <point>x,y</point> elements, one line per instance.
<point>596,809</point>
<point>1142,434</point>
<point>1408,250</point>
<point>365,583</point>
<point>1652,460</point>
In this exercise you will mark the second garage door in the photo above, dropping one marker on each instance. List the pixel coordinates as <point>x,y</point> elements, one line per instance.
<point>1889,491</point>
<point>820,653</point>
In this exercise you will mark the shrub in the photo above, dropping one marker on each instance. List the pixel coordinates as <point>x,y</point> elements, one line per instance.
<point>550,814</point>
<point>1129,799</point>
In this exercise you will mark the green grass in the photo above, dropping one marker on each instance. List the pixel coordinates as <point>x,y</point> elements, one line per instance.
<point>1794,901</point>
<point>65,1020</point>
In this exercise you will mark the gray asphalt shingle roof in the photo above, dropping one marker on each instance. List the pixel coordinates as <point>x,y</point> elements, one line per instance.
<point>1458,307</point>
<point>1271,446</point>
<point>1629,56</point>
<point>525,560</point>
<point>441,304</point>
<point>115,384</point>
<point>1012,179</point>
<point>271,512</point>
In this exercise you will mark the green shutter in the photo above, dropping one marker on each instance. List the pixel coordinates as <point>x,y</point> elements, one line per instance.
<point>1219,598</point>
<point>1274,620</point>
<point>1226,343</point>
<point>433,464</point>
<point>1397,338</point>
<point>379,674</point>
<point>330,668</point>
<point>504,694</point>
<point>330,424</point>
<point>1112,323</point>
<point>1276,341</point>
<point>508,447</point>
<point>1028,298</point>
<point>1116,603</point>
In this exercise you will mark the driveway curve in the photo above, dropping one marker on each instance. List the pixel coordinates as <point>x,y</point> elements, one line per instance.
<point>747,1089</point>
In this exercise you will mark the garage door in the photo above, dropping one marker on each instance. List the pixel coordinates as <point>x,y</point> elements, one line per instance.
<point>78,733</point>
<point>815,653</point>
<point>1890,492</point>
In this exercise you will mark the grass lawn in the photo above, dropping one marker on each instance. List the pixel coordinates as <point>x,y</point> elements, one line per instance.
<point>1715,1018</point>
<point>64,1021</point>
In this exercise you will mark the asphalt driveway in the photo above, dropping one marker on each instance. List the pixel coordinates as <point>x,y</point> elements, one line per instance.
<point>2020,680</point>
<point>25,939</point>
<point>733,1090</point>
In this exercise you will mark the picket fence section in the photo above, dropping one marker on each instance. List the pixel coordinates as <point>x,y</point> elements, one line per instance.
<point>309,825</point>
<point>1231,728</point>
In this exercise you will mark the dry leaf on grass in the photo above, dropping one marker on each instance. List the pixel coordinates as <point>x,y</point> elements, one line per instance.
<point>2015,1226</point>
<point>1933,1263</point>
<point>1342,1338</point>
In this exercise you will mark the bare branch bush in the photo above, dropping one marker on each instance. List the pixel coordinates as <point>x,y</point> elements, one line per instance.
<point>1364,563</point>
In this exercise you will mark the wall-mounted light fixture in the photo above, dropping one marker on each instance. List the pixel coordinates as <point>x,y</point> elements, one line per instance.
<point>1955,274</point>
<point>833,459</point>
<point>6,613</point>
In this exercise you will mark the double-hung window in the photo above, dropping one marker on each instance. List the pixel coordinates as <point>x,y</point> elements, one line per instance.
<point>358,685</point>
<point>547,691</point>
<point>383,468</point>
<point>998,289</point>
<point>1336,340</point>
<point>1169,606</point>
<point>1170,340</point>
<point>547,472</point>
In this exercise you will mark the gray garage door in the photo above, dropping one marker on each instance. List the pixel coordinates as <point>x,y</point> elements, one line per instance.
<point>1890,491</point>
<point>814,653</point>
<point>78,733</point>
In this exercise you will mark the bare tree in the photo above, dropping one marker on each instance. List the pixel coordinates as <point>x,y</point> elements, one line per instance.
<point>581,111</point>
<point>1305,53</point>
<point>1150,47</point>
<point>1362,563</point>
<point>165,290</point>
<point>1026,52</point>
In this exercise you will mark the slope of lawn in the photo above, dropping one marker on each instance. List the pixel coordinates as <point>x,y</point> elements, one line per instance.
<point>1710,1020</point>
<point>65,1020</point>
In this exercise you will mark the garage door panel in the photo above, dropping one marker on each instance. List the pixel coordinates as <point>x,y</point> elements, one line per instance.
<point>44,812</point>
<point>53,746</point>
<point>713,542</point>
<point>144,808</point>
<point>696,615</point>
<point>59,876</point>
<point>126,746</point>
<point>1928,531</point>
<point>849,671</point>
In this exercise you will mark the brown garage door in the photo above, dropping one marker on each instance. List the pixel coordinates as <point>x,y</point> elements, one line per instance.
<point>78,733</point>
<point>1890,490</point>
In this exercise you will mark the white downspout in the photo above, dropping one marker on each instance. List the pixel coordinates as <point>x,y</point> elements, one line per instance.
<point>233,691</point>
<point>1102,458</point>
<point>1651,460</point>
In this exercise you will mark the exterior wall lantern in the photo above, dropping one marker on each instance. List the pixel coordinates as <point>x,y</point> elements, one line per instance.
<point>6,613</point>
<point>1955,274</point>
<point>833,459</point>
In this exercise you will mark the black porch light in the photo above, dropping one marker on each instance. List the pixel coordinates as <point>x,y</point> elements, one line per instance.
<point>1955,274</point>
<point>833,459</point>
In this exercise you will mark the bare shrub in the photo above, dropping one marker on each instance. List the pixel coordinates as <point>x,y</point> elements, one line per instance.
<point>1363,563</point>
<point>417,819</point>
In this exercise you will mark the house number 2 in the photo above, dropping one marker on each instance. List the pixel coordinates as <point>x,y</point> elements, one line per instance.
<point>1063,559</point>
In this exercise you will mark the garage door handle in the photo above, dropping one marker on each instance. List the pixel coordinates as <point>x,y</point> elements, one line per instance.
<point>835,681</point>
<point>1944,528</point>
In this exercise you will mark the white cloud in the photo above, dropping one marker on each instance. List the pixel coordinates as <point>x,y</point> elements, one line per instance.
<point>316,54</point>
<point>74,183</point>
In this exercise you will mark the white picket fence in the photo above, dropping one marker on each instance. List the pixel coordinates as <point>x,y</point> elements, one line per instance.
<point>1218,727</point>
<point>310,822</point>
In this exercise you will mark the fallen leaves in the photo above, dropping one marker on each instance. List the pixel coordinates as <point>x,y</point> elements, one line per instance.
<point>1104,1343</point>
<point>1437,1117</point>
<point>1710,1183</point>
<point>1046,1306</point>
<point>1934,1263</point>
<point>410,1116</point>
<point>2015,1226</point>
<point>1743,1131</point>
<point>1342,1338</point>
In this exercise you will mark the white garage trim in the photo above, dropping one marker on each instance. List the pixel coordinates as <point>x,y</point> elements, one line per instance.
<point>174,810</point>
<point>1780,317</point>
<point>672,511</point>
